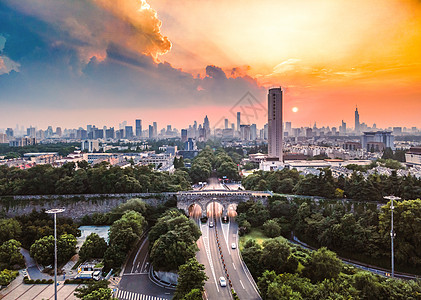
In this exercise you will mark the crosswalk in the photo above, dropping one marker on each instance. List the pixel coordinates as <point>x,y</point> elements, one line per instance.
<point>126,295</point>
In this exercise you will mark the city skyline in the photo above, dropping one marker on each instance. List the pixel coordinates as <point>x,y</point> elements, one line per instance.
<point>60,66</point>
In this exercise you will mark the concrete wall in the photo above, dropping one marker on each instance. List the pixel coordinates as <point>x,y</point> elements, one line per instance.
<point>76,206</point>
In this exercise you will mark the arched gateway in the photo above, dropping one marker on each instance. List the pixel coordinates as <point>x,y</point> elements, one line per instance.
<point>224,197</point>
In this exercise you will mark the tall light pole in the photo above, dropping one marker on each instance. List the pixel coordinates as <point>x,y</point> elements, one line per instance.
<point>55,211</point>
<point>392,232</point>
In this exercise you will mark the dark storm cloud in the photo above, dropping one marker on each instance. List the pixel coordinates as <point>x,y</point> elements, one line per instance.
<point>61,67</point>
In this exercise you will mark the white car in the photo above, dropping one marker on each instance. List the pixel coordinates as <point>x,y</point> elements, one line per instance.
<point>222,281</point>
<point>210,224</point>
<point>233,245</point>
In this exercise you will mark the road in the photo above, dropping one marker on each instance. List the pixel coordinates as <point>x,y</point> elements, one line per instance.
<point>209,256</point>
<point>135,282</point>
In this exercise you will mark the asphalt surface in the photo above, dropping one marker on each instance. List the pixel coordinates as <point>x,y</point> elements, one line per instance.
<point>209,255</point>
<point>135,282</point>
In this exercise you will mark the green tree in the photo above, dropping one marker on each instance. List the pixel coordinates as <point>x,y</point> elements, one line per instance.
<point>191,276</point>
<point>84,290</point>
<point>100,294</point>
<point>93,247</point>
<point>272,228</point>
<point>194,294</point>
<point>10,256</point>
<point>323,264</point>
<point>10,229</point>
<point>43,249</point>
<point>6,276</point>
<point>275,255</point>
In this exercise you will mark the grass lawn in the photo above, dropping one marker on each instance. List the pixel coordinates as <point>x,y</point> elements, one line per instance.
<point>255,234</point>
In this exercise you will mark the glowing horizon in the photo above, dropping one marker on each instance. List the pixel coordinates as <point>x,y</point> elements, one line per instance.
<point>148,59</point>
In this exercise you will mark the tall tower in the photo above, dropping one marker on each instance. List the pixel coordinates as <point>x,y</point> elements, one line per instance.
<point>357,120</point>
<point>275,131</point>
<point>238,121</point>
<point>138,127</point>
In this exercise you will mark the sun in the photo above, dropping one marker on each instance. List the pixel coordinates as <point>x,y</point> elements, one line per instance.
<point>295,109</point>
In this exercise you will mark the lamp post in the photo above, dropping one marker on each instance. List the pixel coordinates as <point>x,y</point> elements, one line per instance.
<point>392,232</point>
<point>55,211</point>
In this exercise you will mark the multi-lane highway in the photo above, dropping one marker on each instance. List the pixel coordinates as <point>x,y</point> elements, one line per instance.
<point>210,256</point>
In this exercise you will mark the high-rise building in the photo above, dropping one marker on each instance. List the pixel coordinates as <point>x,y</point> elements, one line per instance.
<point>129,132</point>
<point>58,131</point>
<point>138,128</point>
<point>151,132</point>
<point>342,128</point>
<point>109,133</point>
<point>275,132</point>
<point>9,132</point>
<point>30,132</point>
<point>238,121</point>
<point>155,130</point>
<point>357,120</point>
<point>253,132</point>
<point>226,123</point>
<point>183,135</point>
<point>288,127</point>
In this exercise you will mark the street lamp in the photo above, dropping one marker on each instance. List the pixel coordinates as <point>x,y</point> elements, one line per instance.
<point>392,232</point>
<point>55,211</point>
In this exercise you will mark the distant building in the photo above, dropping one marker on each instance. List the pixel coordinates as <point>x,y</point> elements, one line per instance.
<point>352,146</point>
<point>245,132</point>
<point>238,121</point>
<point>3,138</point>
<point>30,132</point>
<point>357,120</point>
<point>58,131</point>
<point>370,138</point>
<point>413,157</point>
<point>90,145</point>
<point>138,128</point>
<point>9,132</point>
<point>155,130</point>
<point>151,132</point>
<point>21,142</point>
<point>183,135</point>
<point>129,132</point>
<point>226,124</point>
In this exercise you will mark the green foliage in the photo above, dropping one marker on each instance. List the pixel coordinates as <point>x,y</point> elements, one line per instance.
<point>173,240</point>
<point>91,287</point>
<point>357,187</point>
<point>101,178</point>
<point>122,236</point>
<point>6,276</point>
<point>272,228</point>
<point>100,294</point>
<point>43,249</point>
<point>93,247</point>
<point>10,229</point>
<point>324,264</point>
<point>10,256</point>
<point>407,218</point>
<point>191,280</point>
<point>39,224</point>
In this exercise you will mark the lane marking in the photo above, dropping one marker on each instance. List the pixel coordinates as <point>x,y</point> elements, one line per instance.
<point>135,258</point>
<point>234,266</point>
<point>209,255</point>
<point>242,284</point>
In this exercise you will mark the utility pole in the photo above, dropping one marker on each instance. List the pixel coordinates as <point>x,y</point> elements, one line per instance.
<point>55,211</point>
<point>392,232</point>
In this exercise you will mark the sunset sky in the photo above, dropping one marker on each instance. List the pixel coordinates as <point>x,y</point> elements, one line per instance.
<point>70,63</point>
